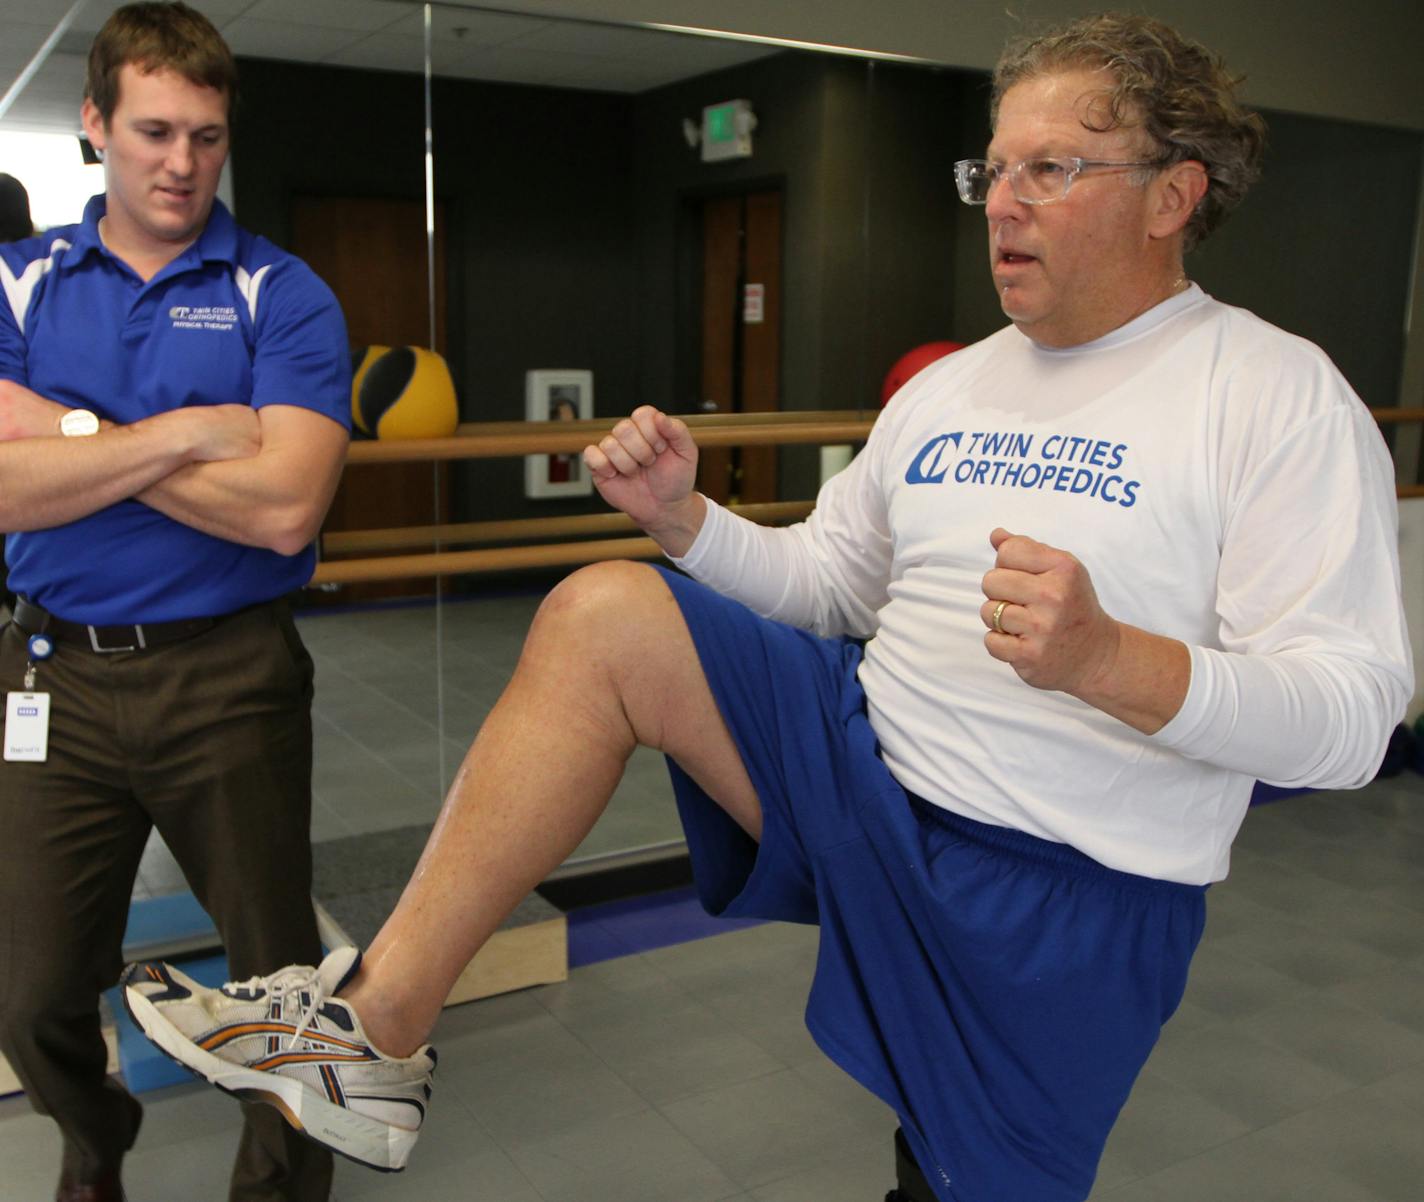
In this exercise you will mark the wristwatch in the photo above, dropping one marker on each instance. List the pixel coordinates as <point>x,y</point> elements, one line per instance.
<point>78,422</point>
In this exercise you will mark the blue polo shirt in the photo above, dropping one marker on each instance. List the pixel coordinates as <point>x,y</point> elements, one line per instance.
<point>232,320</point>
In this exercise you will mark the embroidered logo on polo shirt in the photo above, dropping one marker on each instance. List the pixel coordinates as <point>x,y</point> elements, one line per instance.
<point>203,317</point>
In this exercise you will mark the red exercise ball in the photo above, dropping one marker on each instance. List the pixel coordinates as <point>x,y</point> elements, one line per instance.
<point>913,362</point>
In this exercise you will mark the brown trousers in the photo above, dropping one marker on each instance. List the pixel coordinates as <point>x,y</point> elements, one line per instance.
<point>209,740</point>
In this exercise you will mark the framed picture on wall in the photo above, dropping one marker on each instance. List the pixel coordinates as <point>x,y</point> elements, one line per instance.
<point>555,395</point>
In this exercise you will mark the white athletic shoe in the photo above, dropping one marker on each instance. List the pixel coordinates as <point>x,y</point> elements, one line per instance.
<point>287,1041</point>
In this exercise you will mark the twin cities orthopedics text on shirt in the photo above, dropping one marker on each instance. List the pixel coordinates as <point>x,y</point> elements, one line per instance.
<point>1066,463</point>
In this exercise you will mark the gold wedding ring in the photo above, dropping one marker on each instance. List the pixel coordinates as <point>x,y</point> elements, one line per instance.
<point>999,613</point>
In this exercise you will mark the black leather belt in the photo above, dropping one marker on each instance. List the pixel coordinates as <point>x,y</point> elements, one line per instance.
<point>32,619</point>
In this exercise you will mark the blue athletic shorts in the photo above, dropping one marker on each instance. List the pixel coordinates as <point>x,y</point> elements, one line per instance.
<point>999,992</point>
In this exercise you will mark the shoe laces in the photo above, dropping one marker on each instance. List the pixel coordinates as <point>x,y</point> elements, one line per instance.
<point>294,979</point>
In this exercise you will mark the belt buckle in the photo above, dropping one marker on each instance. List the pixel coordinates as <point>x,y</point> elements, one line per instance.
<point>94,642</point>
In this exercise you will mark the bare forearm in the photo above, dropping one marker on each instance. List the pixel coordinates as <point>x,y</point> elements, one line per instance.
<point>1143,682</point>
<point>678,526</point>
<point>1045,621</point>
<point>276,499</point>
<point>242,501</point>
<point>49,481</point>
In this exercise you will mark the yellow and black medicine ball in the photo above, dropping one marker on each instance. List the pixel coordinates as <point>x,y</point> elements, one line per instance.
<point>402,392</point>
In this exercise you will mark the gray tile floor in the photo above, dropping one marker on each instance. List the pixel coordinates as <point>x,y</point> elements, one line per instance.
<point>1294,1071</point>
<point>394,689</point>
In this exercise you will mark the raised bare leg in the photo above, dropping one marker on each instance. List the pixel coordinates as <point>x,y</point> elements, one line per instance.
<point>608,665</point>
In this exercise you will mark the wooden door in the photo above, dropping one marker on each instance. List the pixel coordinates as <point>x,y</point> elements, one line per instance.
<point>721,288</point>
<point>372,254</point>
<point>761,339</point>
<point>741,335</point>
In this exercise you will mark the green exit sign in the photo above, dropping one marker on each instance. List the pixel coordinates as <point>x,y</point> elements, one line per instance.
<point>727,130</point>
<point>721,122</point>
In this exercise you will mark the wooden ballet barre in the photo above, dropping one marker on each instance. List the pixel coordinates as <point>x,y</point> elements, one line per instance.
<point>495,440</point>
<point>495,559</point>
<point>346,542</point>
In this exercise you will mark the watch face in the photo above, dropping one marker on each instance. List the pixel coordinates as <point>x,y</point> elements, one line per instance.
<point>78,422</point>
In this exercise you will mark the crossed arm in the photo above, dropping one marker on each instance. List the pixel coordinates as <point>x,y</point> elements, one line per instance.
<point>262,478</point>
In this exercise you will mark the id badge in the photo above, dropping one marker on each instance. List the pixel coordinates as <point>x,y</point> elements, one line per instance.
<point>27,727</point>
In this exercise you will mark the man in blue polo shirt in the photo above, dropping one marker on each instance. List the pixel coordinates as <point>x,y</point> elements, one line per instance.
<point>174,401</point>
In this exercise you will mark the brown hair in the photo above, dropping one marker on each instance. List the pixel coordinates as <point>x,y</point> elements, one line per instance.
<point>1179,91</point>
<point>157,37</point>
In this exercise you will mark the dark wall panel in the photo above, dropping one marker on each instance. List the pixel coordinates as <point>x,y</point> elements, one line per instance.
<point>535,182</point>
<point>1322,244</point>
<point>912,221</point>
<point>322,131</point>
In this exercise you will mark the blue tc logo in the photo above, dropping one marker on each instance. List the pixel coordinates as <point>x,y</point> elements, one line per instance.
<point>931,464</point>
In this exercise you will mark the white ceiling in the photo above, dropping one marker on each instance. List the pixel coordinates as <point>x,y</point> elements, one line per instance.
<point>467,43</point>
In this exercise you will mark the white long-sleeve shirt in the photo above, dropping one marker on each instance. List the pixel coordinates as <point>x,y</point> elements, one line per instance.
<point>1223,486</point>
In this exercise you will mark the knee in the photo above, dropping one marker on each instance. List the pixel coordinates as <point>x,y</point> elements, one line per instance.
<point>602,601</point>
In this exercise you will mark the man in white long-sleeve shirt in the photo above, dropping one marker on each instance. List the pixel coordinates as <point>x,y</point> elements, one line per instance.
<point>1089,559</point>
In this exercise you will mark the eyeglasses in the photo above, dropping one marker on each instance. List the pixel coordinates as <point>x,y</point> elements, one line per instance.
<point>1034,181</point>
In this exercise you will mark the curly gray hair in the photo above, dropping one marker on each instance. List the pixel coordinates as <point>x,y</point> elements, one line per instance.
<point>1180,93</point>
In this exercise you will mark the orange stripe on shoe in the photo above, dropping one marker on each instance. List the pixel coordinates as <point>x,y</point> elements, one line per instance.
<point>272,1062</point>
